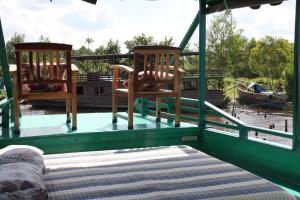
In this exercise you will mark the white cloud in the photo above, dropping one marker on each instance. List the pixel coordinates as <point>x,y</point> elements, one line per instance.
<point>72,21</point>
<point>268,20</point>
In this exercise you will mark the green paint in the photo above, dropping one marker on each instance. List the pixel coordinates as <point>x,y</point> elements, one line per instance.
<point>189,33</point>
<point>280,165</point>
<point>4,64</point>
<point>296,83</point>
<point>202,62</point>
<point>50,133</point>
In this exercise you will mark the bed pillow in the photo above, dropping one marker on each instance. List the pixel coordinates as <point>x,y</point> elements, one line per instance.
<point>21,180</point>
<point>23,153</point>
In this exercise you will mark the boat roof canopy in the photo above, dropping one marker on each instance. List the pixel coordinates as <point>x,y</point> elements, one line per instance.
<point>220,5</point>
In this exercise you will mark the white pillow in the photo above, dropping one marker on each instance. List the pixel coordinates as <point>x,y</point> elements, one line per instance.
<point>22,153</point>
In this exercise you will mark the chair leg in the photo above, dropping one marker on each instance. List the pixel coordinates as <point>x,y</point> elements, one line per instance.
<point>16,115</point>
<point>68,110</point>
<point>177,112</point>
<point>130,111</point>
<point>74,107</point>
<point>158,109</point>
<point>114,108</point>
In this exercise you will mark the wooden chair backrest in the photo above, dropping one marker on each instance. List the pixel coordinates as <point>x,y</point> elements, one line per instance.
<point>43,63</point>
<point>156,62</point>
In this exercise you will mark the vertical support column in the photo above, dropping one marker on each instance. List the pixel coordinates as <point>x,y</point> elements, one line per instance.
<point>4,64</point>
<point>202,62</point>
<point>296,85</point>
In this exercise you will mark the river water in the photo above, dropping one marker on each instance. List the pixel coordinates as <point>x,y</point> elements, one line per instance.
<point>266,118</point>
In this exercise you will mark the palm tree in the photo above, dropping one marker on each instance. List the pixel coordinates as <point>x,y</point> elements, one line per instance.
<point>89,41</point>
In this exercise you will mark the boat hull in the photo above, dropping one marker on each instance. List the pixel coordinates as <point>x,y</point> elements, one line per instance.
<point>260,99</point>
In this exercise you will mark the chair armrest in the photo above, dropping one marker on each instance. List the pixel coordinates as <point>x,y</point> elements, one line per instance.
<point>123,67</point>
<point>12,68</point>
<point>74,68</point>
<point>179,69</point>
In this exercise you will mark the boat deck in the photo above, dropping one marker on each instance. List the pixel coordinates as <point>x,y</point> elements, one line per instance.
<point>51,131</point>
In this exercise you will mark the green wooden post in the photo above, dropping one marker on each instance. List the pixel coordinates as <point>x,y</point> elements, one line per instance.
<point>189,33</point>
<point>144,107</point>
<point>243,132</point>
<point>296,85</point>
<point>202,62</point>
<point>4,64</point>
<point>5,115</point>
<point>171,110</point>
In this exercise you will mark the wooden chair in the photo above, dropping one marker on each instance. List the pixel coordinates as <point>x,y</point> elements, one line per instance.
<point>44,71</point>
<point>155,74</point>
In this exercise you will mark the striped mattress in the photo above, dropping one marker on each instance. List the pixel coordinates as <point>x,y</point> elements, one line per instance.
<point>175,172</point>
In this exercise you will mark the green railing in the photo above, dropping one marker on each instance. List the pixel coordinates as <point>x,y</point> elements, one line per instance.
<point>6,112</point>
<point>190,113</point>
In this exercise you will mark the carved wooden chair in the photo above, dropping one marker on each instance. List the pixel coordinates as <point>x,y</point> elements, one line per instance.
<point>155,74</point>
<point>44,71</point>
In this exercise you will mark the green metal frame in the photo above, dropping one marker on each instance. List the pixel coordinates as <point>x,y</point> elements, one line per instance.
<point>296,99</point>
<point>5,65</point>
<point>202,62</point>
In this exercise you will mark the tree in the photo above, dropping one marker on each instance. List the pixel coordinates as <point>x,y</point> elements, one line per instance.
<point>89,41</point>
<point>139,40</point>
<point>224,43</point>
<point>271,56</point>
<point>244,68</point>
<point>112,47</point>
<point>10,46</point>
<point>167,41</point>
<point>44,39</point>
<point>84,66</point>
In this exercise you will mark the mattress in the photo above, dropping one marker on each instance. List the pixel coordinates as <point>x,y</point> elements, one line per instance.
<point>175,172</point>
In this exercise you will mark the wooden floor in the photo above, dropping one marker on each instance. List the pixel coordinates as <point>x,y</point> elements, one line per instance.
<point>54,124</point>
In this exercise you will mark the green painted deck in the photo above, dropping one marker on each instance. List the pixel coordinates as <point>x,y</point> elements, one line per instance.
<point>96,131</point>
<point>55,124</point>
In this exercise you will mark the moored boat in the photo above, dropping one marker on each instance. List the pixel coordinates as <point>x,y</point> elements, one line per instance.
<point>256,95</point>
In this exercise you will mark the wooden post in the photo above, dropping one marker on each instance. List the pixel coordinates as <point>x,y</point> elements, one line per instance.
<point>158,102</point>
<point>130,100</point>
<point>114,95</point>
<point>16,104</point>
<point>74,101</point>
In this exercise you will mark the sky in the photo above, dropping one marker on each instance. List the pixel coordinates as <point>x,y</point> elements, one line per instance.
<point>72,21</point>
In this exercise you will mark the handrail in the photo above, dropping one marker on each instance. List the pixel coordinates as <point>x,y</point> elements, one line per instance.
<point>117,56</point>
<point>223,114</point>
<point>236,125</point>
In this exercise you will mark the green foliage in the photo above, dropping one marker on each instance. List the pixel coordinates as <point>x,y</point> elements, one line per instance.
<point>224,44</point>
<point>44,39</point>
<point>167,41</point>
<point>138,41</point>
<point>112,47</point>
<point>287,77</point>
<point>83,66</point>
<point>270,56</point>
<point>10,46</point>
